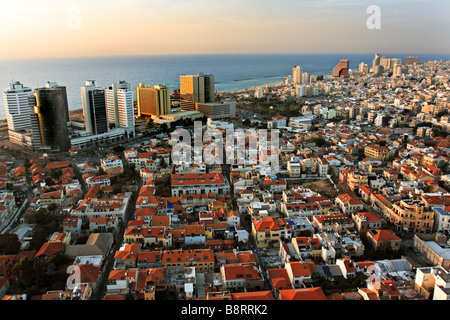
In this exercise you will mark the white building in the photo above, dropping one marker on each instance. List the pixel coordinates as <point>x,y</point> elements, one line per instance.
<point>23,127</point>
<point>441,220</point>
<point>110,162</point>
<point>104,180</point>
<point>114,208</point>
<point>120,107</point>
<point>199,183</point>
<point>435,280</point>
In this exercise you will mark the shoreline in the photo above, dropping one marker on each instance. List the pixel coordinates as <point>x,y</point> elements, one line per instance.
<point>273,84</point>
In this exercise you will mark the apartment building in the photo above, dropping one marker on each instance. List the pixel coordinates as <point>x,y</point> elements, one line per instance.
<point>199,183</point>
<point>411,215</point>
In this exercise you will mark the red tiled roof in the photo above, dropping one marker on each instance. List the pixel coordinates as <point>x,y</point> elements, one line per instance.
<point>49,249</point>
<point>303,294</point>
<point>253,295</point>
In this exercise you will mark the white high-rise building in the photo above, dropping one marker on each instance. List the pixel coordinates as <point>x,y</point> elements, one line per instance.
<point>112,105</point>
<point>23,128</point>
<point>18,106</point>
<point>125,107</point>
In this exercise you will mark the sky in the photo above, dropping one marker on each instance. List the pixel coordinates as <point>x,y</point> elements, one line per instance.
<point>67,28</point>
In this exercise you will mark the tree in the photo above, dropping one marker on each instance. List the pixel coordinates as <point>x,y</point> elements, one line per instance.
<point>118,149</point>
<point>40,236</point>
<point>58,261</point>
<point>162,163</point>
<point>30,274</point>
<point>9,244</point>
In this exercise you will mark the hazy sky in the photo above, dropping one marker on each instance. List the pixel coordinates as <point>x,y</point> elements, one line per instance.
<point>44,28</point>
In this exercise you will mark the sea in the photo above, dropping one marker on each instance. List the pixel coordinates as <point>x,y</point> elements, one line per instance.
<point>232,72</point>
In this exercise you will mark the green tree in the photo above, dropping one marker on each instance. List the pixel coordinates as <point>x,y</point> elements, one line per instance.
<point>58,261</point>
<point>9,244</point>
<point>30,274</point>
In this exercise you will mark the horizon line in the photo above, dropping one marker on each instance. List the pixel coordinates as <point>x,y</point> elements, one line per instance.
<point>218,54</point>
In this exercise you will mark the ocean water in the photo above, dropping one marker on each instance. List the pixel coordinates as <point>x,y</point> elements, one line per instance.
<point>231,72</point>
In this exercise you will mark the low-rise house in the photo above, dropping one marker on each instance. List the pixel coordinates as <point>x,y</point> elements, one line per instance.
<point>379,238</point>
<point>349,204</point>
<point>92,179</point>
<point>53,197</point>
<point>126,257</point>
<point>112,163</point>
<point>279,280</point>
<point>50,249</point>
<point>199,183</point>
<point>113,207</point>
<point>268,231</point>
<point>347,267</point>
<point>433,282</point>
<point>299,273</point>
<point>276,186</point>
<point>64,237</point>
<point>385,289</point>
<point>307,210</point>
<point>241,277</point>
<point>149,259</point>
<point>73,226</point>
<point>85,274</point>
<point>366,220</point>
<point>202,259</point>
<point>194,234</point>
<point>104,224</point>
<point>309,294</point>
<point>148,236</point>
<point>335,223</point>
<point>442,220</point>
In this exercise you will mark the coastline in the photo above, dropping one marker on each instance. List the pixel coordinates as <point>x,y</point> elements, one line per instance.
<point>273,84</point>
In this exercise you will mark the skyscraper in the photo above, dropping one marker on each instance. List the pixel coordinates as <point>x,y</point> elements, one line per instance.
<point>125,107</point>
<point>297,75</point>
<point>22,124</point>
<point>120,107</point>
<point>376,62</point>
<point>153,101</point>
<point>341,69</point>
<point>94,108</point>
<point>194,89</point>
<point>112,104</point>
<point>53,114</point>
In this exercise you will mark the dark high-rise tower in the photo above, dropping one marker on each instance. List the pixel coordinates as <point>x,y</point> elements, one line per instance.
<point>53,114</point>
<point>94,108</point>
